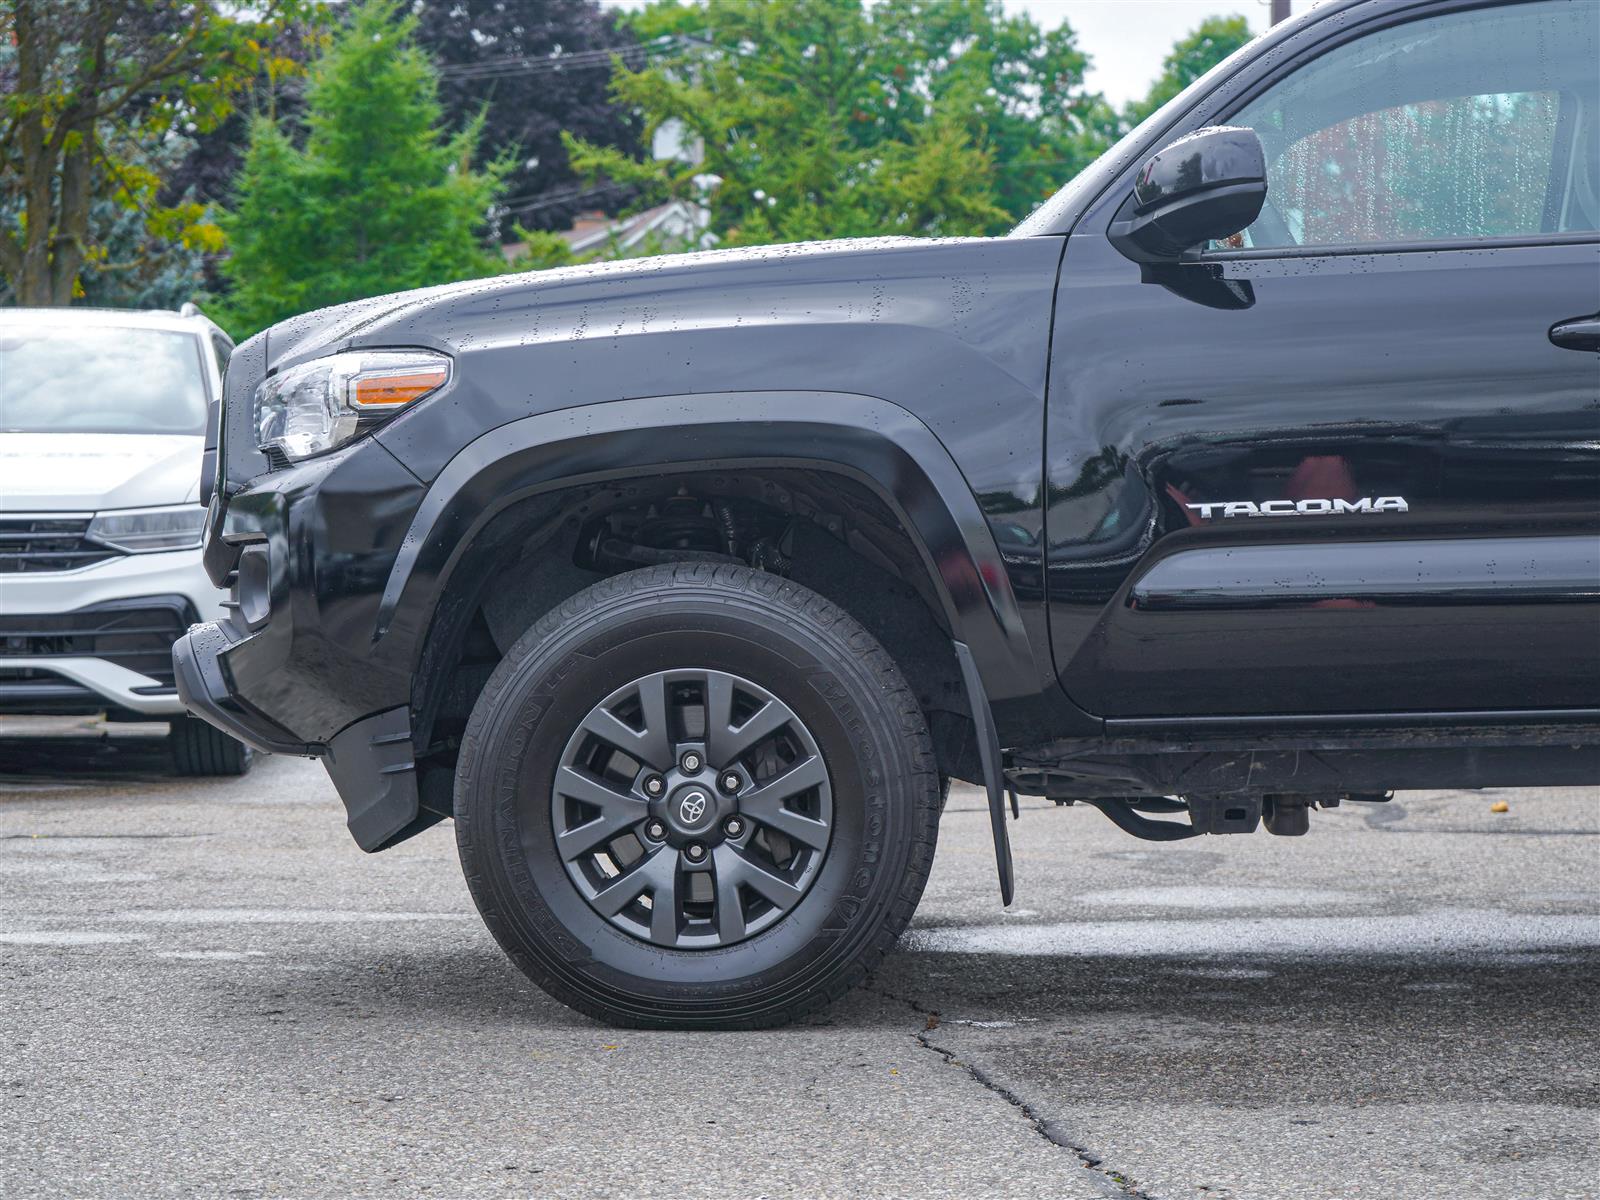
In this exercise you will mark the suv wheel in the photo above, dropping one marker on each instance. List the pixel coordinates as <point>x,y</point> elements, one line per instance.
<point>201,749</point>
<point>696,796</point>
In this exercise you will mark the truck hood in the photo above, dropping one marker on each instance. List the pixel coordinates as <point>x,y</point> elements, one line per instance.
<point>88,472</point>
<point>413,318</point>
<point>954,331</point>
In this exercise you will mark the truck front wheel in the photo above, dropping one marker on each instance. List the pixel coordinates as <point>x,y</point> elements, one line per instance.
<point>696,796</point>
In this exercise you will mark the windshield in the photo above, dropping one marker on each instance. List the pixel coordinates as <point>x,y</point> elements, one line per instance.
<point>70,377</point>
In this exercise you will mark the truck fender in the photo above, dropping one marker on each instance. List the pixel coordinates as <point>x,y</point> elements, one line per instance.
<point>868,439</point>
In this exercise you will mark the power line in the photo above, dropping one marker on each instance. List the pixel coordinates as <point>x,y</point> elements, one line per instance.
<point>577,60</point>
<point>552,200</point>
<point>555,194</point>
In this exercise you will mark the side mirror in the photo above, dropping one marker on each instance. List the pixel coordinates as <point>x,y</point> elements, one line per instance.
<point>1208,184</point>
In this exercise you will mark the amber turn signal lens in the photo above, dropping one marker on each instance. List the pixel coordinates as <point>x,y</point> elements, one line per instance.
<point>390,389</point>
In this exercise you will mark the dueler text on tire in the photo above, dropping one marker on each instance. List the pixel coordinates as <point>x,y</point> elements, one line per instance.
<point>696,796</point>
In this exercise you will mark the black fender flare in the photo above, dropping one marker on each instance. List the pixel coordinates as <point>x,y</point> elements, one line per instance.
<point>878,443</point>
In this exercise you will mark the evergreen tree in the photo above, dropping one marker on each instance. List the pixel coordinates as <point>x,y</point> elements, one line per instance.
<point>378,198</point>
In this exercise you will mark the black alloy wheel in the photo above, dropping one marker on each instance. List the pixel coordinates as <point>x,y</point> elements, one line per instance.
<point>696,796</point>
<point>692,808</point>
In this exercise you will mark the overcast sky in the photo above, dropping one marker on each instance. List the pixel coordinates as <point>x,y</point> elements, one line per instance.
<point>1127,39</point>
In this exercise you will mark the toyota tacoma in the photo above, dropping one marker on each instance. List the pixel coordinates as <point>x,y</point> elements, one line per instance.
<point>1256,471</point>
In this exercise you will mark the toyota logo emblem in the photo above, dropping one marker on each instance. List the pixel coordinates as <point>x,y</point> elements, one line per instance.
<point>692,807</point>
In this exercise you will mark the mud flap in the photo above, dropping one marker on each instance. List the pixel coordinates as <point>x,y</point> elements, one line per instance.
<point>989,758</point>
<point>371,766</point>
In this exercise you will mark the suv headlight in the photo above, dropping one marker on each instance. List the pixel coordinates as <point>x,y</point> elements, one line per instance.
<point>147,530</point>
<point>310,408</point>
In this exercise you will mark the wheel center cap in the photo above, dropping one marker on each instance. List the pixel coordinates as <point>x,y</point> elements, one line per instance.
<point>691,809</point>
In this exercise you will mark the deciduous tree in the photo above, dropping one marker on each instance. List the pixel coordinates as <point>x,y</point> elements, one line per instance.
<point>533,68</point>
<point>830,118</point>
<point>89,90</point>
<point>1192,56</point>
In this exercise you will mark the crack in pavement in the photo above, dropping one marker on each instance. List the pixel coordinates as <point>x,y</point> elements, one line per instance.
<point>1112,1182</point>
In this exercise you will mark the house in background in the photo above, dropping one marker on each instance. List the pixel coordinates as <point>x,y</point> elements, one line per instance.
<point>668,228</point>
<point>675,225</point>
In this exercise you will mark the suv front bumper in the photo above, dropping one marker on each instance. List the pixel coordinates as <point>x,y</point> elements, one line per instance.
<point>99,637</point>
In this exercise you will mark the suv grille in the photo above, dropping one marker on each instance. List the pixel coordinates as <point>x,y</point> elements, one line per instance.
<point>47,544</point>
<point>136,634</point>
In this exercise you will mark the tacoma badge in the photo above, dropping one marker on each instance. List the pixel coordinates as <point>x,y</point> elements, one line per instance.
<point>1301,508</point>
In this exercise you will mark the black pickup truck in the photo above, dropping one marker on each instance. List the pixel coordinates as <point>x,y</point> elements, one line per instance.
<point>1258,470</point>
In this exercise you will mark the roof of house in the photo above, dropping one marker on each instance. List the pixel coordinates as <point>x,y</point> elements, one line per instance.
<point>593,229</point>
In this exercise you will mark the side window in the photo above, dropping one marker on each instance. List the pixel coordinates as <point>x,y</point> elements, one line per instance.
<point>1473,124</point>
<point>224,351</point>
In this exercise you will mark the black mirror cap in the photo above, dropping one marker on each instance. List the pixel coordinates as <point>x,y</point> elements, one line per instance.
<point>1207,184</point>
<point>1217,156</point>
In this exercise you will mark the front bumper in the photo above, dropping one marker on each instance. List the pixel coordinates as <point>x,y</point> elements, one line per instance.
<point>306,552</point>
<point>297,665</point>
<point>203,691</point>
<point>370,762</point>
<point>79,685</point>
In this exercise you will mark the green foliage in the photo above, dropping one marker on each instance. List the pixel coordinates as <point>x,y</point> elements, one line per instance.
<point>1191,57</point>
<point>561,83</point>
<point>142,258</point>
<point>541,250</point>
<point>1016,90</point>
<point>834,118</point>
<point>378,197</point>
<point>94,91</point>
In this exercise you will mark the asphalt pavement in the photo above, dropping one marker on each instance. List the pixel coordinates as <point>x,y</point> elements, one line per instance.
<point>206,988</point>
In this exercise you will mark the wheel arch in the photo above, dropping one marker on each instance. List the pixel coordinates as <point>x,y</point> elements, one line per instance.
<point>537,476</point>
<point>873,442</point>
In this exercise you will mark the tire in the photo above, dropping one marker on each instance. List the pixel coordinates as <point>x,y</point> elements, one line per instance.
<point>201,749</point>
<point>740,960</point>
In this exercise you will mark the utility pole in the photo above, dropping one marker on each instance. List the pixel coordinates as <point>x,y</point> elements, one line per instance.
<point>1280,11</point>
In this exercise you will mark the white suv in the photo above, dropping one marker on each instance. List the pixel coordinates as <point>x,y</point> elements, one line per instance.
<point>102,421</point>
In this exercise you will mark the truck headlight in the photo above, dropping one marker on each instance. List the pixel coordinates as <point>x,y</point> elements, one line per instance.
<point>147,530</point>
<point>310,408</point>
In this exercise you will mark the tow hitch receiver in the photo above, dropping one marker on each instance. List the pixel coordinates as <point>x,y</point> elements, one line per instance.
<point>1224,814</point>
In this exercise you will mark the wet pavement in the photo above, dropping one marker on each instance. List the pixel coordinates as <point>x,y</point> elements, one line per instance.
<point>205,987</point>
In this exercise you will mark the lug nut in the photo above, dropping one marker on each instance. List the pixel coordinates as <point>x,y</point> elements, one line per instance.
<point>730,782</point>
<point>690,762</point>
<point>733,826</point>
<point>655,831</point>
<point>655,785</point>
<point>694,851</point>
